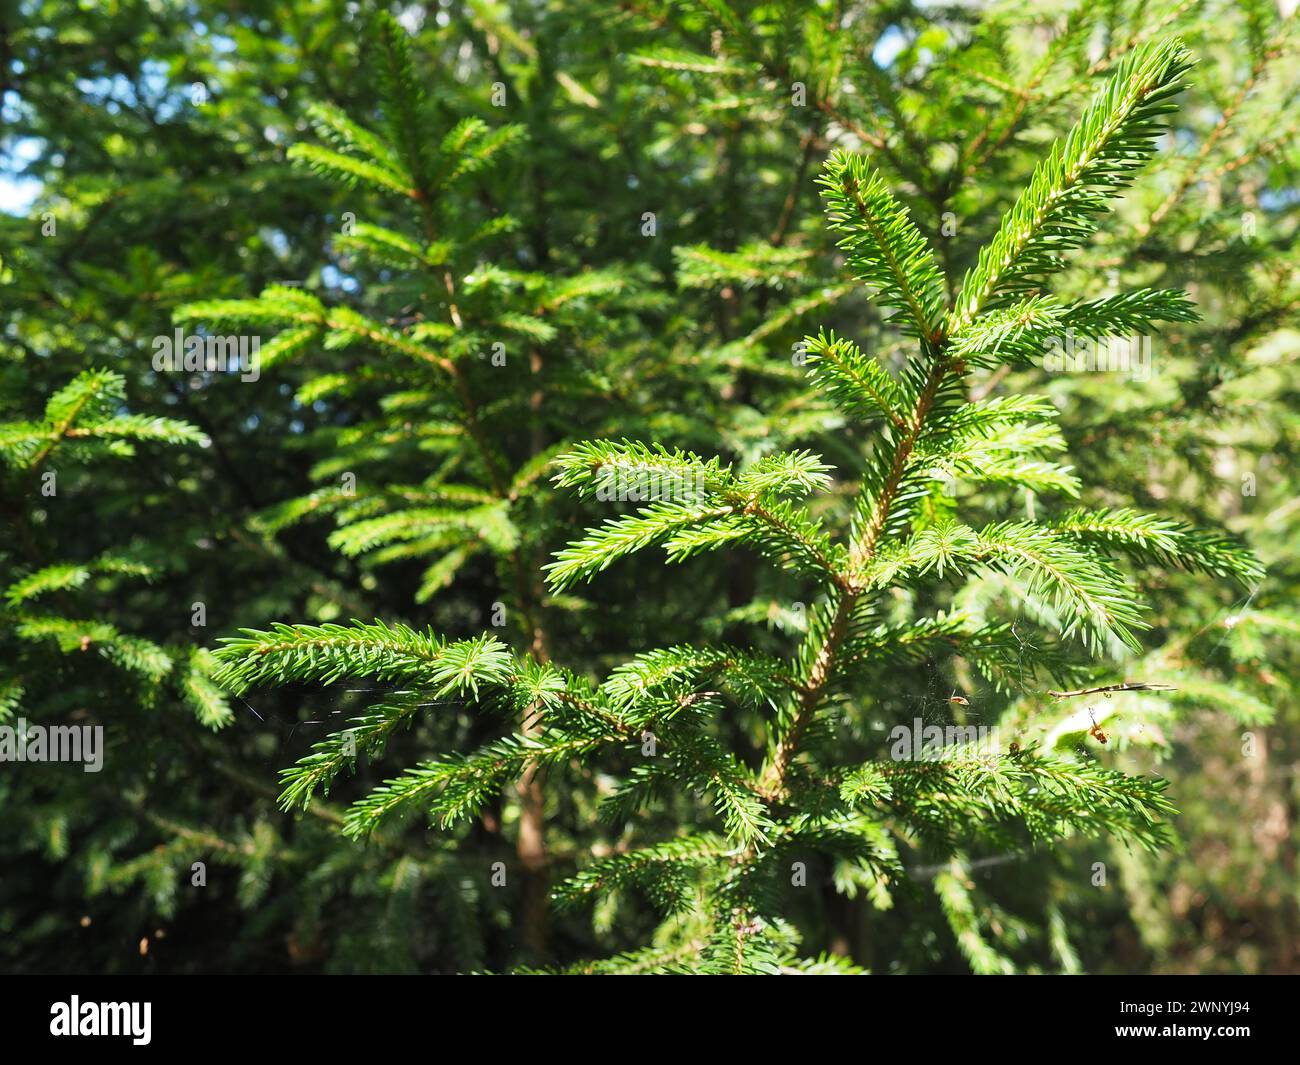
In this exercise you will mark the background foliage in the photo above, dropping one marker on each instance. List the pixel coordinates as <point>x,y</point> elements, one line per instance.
<point>165,159</point>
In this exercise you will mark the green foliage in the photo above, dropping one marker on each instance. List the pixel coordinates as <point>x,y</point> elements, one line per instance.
<point>1057,211</point>
<point>727,882</point>
<point>882,244</point>
<point>84,421</point>
<point>486,257</point>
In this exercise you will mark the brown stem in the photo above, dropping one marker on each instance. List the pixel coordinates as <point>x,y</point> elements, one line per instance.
<point>530,846</point>
<point>806,147</point>
<point>861,550</point>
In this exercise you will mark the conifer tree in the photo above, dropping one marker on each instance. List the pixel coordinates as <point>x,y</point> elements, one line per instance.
<point>465,381</point>
<point>809,783</point>
<point>159,142</point>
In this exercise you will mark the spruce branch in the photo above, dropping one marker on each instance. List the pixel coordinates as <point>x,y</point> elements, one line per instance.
<point>883,245</point>
<point>1058,209</point>
<point>326,653</point>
